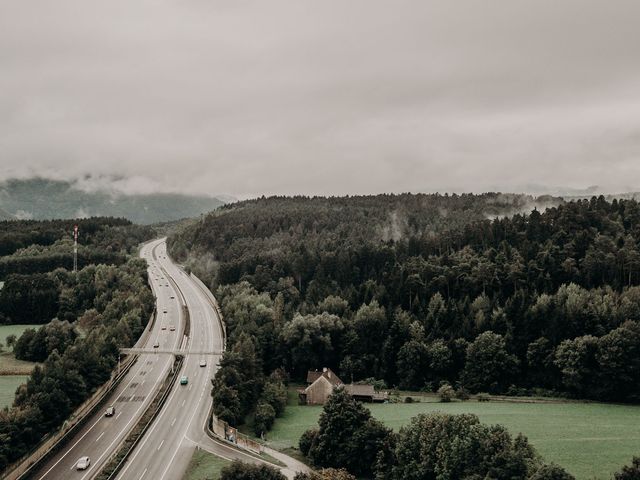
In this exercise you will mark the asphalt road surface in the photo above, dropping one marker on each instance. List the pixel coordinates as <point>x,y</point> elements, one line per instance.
<point>101,435</point>
<point>168,445</point>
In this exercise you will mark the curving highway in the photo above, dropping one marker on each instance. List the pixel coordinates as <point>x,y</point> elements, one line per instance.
<point>168,445</point>
<point>101,435</point>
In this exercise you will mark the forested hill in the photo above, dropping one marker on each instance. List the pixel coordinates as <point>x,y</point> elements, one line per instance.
<point>29,246</point>
<point>244,234</point>
<point>422,289</point>
<point>43,199</point>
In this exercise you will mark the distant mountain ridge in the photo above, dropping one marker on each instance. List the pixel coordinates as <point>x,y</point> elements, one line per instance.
<point>43,199</point>
<point>4,215</point>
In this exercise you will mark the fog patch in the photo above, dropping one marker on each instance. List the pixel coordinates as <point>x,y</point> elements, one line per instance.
<point>23,215</point>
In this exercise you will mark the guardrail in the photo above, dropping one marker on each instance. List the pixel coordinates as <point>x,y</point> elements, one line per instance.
<point>110,472</point>
<point>214,303</point>
<point>25,467</point>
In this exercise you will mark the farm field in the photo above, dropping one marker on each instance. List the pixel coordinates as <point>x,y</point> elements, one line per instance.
<point>204,466</point>
<point>8,363</point>
<point>591,440</point>
<point>8,385</point>
<point>6,330</point>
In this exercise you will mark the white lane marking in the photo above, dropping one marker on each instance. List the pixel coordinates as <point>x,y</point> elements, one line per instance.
<point>118,415</point>
<point>156,422</point>
<point>183,402</point>
<point>173,421</point>
<point>99,436</point>
<point>91,428</point>
<point>191,385</point>
<point>195,410</point>
<point>160,446</point>
<point>145,471</point>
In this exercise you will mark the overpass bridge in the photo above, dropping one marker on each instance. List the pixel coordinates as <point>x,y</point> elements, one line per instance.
<point>165,351</point>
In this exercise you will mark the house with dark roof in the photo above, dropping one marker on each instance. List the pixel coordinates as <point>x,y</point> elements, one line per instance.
<point>322,384</point>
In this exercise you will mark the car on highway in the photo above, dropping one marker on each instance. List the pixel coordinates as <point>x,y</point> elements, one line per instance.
<point>163,327</point>
<point>172,297</point>
<point>157,344</point>
<point>172,328</point>
<point>203,363</point>
<point>164,311</point>
<point>83,463</point>
<point>184,380</point>
<point>110,411</point>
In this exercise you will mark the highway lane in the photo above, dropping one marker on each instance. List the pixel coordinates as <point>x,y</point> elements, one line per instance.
<point>101,435</point>
<point>166,449</point>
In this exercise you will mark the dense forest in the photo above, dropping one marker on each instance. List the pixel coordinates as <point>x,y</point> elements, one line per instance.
<point>422,290</point>
<point>86,315</point>
<point>35,254</point>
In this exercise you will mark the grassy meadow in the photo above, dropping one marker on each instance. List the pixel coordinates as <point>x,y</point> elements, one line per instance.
<point>591,440</point>
<point>6,330</point>
<point>8,385</point>
<point>12,372</point>
<point>204,466</point>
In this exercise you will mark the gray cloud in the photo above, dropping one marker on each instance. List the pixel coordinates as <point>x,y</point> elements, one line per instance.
<point>324,97</point>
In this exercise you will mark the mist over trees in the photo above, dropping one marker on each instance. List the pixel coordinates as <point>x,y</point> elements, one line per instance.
<point>417,290</point>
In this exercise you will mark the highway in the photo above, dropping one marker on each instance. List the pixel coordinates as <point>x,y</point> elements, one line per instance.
<point>101,435</point>
<point>167,447</point>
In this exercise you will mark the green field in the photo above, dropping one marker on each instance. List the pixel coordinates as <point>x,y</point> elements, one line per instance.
<point>8,363</point>
<point>6,330</point>
<point>591,440</point>
<point>204,466</point>
<point>8,385</point>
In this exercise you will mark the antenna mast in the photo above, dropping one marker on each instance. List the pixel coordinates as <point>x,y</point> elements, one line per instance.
<point>75,248</point>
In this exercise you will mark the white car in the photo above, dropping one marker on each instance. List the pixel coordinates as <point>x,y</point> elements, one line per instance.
<point>203,363</point>
<point>83,463</point>
<point>172,328</point>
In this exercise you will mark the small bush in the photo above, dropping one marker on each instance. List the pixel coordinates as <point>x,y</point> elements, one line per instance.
<point>264,418</point>
<point>446,393</point>
<point>245,471</point>
<point>552,472</point>
<point>306,440</point>
<point>462,394</point>
<point>483,397</point>
<point>408,399</point>
<point>631,472</point>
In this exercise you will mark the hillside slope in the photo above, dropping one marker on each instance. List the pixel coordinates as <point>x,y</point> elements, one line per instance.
<point>44,199</point>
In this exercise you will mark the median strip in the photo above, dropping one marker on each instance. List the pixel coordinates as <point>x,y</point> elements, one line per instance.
<point>119,458</point>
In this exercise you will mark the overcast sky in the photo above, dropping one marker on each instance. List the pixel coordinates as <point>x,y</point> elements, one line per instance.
<point>322,97</point>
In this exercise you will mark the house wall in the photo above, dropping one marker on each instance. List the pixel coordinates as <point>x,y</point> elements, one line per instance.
<point>319,391</point>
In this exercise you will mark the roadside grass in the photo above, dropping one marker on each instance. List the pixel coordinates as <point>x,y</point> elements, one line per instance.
<point>8,386</point>
<point>204,466</point>
<point>591,440</point>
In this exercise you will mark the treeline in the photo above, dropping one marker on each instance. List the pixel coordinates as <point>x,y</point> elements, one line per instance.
<point>242,385</point>
<point>418,290</point>
<point>116,303</point>
<point>28,246</point>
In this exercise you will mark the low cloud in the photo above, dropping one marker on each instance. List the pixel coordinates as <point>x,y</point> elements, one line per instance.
<point>251,98</point>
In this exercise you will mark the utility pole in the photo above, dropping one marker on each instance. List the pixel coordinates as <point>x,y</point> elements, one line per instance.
<point>75,248</point>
